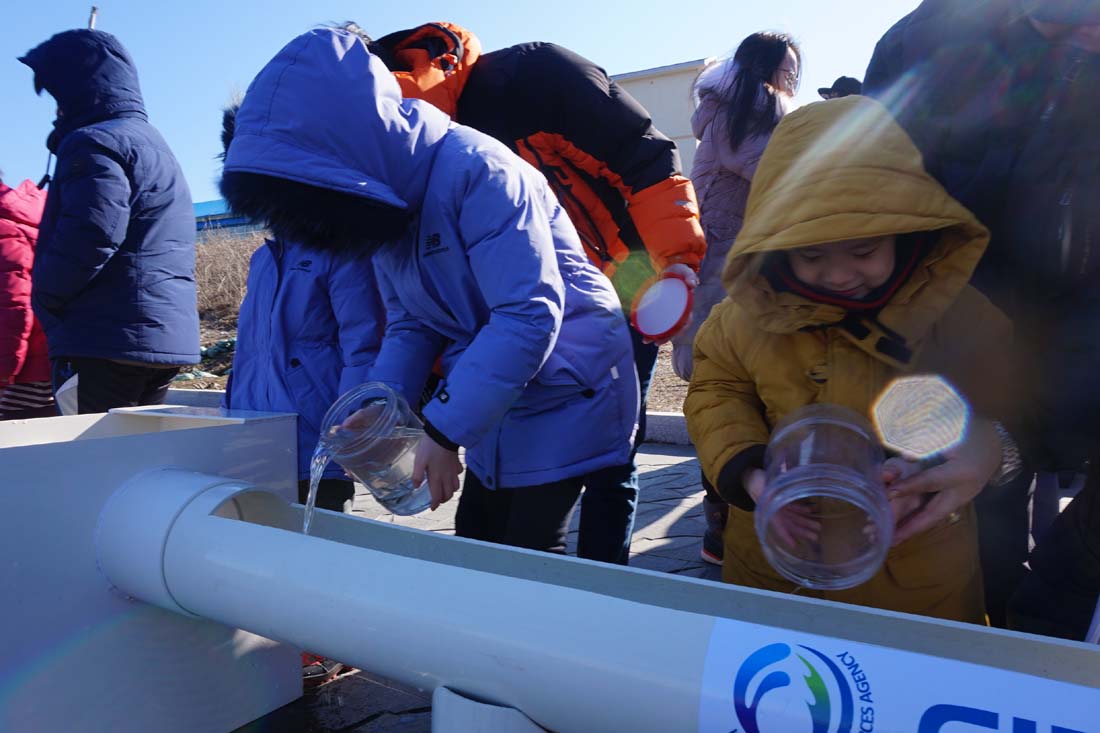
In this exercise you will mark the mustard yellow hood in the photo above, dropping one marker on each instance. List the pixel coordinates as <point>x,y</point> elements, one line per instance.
<point>839,170</point>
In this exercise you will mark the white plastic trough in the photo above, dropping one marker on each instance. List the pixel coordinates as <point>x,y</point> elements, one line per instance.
<point>136,548</point>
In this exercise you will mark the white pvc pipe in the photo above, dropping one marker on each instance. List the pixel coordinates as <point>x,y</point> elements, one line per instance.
<point>519,629</point>
<point>571,660</point>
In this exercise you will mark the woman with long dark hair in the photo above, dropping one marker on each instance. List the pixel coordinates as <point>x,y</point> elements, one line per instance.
<point>740,101</point>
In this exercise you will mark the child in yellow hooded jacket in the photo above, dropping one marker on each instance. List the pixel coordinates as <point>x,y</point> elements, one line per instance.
<point>851,269</point>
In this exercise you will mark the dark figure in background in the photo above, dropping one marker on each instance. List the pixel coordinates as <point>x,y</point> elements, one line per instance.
<point>114,281</point>
<point>1001,97</point>
<point>614,173</point>
<point>844,86</point>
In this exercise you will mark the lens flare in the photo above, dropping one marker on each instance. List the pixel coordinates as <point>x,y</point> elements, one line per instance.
<point>920,416</point>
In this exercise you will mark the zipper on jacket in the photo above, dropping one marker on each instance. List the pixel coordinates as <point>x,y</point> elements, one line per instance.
<point>1062,86</point>
<point>276,248</point>
<point>563,192</point>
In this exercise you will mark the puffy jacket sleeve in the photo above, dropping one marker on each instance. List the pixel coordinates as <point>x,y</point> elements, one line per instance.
<point>409,348</point>
<point>505,228</point>
<point>975,350</point>
<point>16,318</point>
<point>613,138</point>
<point>91,222</point>
<point>725,416</point>
<point>886,65</point>
<point>360,318</point>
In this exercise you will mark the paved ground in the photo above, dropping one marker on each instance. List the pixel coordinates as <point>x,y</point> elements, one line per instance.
<point>666,538</point>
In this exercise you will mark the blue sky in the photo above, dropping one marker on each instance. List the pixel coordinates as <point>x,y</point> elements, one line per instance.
<point>192,56</point>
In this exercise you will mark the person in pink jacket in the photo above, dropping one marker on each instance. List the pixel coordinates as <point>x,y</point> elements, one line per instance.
<point>25,389</point>
<point>740,101</point>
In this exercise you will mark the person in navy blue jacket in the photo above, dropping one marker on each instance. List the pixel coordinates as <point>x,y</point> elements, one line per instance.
<point>476,261</point>
<point>113,282</point>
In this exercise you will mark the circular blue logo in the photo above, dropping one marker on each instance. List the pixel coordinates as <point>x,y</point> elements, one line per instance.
<point>772,665</point>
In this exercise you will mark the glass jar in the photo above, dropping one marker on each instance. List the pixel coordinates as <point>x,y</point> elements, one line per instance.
<point>823,519</point>
<point>377,446</point>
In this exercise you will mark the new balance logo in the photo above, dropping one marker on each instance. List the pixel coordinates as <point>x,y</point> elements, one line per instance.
<point>433,244</point>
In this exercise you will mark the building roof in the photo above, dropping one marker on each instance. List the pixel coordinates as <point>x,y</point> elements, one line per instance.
<point>661,70</point>
<point>211,208</point>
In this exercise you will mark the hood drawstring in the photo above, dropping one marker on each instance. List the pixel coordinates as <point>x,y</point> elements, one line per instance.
<point>46,178</point>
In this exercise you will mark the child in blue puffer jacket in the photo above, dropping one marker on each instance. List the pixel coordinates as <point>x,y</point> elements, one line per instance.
<point>309,330</point>
<point>476,261</point>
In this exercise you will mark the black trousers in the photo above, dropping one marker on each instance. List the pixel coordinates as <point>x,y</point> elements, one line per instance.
<point>535,517</point>
<point>610,499</point>
<point>1003,532</point>
<point>334,494</point>
<point>106,384</point>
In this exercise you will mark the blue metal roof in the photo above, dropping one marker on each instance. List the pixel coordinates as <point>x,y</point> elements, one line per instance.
<point>211,208</point>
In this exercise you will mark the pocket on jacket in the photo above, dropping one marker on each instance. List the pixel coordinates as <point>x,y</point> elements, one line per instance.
<point>557,371</point>
<point>310,394</point>
<point>554,427</point>
<point>944,555</point>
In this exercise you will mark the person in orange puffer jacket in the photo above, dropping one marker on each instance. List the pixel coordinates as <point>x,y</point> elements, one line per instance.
<point>25,389</point>
<point>617,177</point>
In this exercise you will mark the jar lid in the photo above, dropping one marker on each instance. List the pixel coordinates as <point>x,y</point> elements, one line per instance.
<point>662,307</point>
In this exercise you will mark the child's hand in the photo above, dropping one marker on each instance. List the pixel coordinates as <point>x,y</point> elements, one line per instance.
<point>690,279</point>
<point>793,522</point>
<point>683,272</point>
<point>362,418</point>
<point>440,466</point>
<point>753,480</point>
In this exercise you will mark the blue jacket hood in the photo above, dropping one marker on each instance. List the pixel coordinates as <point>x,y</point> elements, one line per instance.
<point>90,75</point>
<point>326,112</point>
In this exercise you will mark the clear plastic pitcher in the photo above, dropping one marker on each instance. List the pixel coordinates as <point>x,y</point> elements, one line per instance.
<point>378,446</point>
<point>824,520</point>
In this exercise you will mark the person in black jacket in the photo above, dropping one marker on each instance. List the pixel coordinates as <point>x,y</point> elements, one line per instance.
<point>613,172</point>
<point>113,279</point>
<point>1001,97</point>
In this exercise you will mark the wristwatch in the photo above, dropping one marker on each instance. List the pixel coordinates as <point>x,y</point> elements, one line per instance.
<point>1011,462</point>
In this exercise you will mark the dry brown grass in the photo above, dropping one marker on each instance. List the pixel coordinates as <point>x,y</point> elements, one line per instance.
<point>221,273</point>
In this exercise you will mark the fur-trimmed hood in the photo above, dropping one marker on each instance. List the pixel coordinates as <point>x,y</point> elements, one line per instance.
<point>327,113</point>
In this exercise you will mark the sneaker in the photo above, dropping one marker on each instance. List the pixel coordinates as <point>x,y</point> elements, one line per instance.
<point>710,557</point>
<point>316,670</point>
